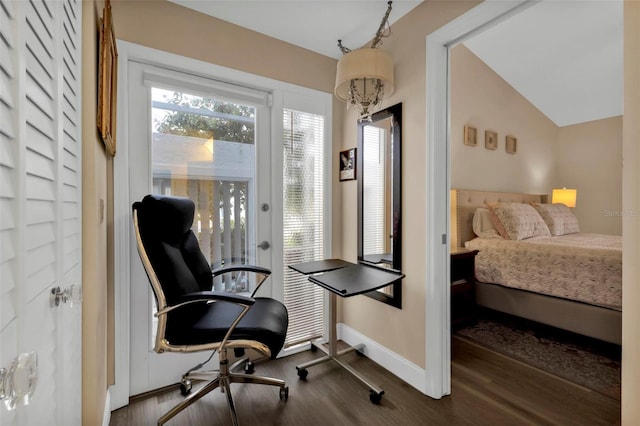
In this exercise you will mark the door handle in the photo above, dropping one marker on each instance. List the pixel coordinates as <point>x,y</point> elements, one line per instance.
<point>18,383</point>
<point>264,245</point>
<point>71,295</point>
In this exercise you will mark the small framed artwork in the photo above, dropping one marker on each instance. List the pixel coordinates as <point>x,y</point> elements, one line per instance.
<point>511,144</point>
<point>348,164</point>
<point>490,139</point>
<point>107,81</point>
<point>470,136</point>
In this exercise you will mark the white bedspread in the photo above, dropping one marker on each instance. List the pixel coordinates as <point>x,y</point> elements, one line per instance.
<point>582,267</point>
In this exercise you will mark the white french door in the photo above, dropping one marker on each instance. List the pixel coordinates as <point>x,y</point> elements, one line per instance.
<point>209,141</point>
<point>291,157</point>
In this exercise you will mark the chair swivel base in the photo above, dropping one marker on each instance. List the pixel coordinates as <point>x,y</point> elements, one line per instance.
<point>222,379</point>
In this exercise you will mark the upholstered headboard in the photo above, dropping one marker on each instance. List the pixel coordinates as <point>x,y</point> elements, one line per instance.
<point>464,203</point>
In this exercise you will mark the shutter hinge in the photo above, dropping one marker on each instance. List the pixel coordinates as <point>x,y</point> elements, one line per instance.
<point>444,238</point>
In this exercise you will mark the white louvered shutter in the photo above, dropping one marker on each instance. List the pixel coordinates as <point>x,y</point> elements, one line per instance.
<point>303,220</point>
<point>9,204</point>
<point>40,227</point>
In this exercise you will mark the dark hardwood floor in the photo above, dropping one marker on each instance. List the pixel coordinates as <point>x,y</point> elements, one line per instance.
<point>487,389</point>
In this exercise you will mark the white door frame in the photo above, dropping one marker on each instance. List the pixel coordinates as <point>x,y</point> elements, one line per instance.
<point>437,295</point>
<point>283,94</point>
<point>149,370</point>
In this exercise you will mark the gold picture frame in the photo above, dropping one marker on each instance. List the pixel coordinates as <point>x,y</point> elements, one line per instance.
<point>511,144</point>
<point>470,136</point>
<point>490,139</point>
<point>107,81</point>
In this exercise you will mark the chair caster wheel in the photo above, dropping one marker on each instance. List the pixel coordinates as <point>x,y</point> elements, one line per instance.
<point>284,393</point>
<point>303,373</point>
<point>375,397</point>
<point>249,368</point>
<point>185,387</point>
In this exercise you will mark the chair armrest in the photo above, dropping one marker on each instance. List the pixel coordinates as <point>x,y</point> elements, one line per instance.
<point>259,270</point>
<point>212,296</point>
<point>208,297</point>
<point>240,268</point>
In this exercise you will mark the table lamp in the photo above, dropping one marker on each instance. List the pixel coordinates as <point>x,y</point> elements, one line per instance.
<point>564,196</point>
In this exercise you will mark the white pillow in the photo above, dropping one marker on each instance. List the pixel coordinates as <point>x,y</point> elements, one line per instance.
<point>482,225</point>
<point>559,218</point>
<point>520,221</point>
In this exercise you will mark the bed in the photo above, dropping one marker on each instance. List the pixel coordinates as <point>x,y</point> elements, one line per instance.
<point>572,281</point>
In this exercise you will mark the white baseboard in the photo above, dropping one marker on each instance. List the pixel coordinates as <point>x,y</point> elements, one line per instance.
<point>391,361</point>
<point>106,416</point>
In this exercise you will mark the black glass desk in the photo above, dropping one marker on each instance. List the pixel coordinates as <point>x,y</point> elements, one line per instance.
<point>344,279</point>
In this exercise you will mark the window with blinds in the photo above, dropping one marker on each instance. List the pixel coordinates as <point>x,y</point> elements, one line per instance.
<point>374,237</point>
<point>303,220</point>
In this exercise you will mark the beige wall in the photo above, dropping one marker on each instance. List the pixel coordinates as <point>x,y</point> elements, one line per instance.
<point>589,158</point>
<point>631,222</point>
<point>402,331</point>
<point>94,231</point>
<point>482,99</point>
<point>586,156</point>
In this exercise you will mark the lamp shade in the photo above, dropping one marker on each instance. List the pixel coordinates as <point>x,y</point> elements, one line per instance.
<point>564,196</point>
<point>365,63</point>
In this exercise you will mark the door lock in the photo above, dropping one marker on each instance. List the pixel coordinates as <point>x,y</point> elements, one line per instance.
<point>264,245</point>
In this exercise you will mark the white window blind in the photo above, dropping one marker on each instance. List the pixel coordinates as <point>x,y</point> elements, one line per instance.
<point>303,220</point>
<point>373,240</point>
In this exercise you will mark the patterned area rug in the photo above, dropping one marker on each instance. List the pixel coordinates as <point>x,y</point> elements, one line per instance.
<point>590,363</point>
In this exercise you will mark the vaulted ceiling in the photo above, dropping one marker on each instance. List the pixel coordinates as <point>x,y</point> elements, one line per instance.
<point>565,57</point>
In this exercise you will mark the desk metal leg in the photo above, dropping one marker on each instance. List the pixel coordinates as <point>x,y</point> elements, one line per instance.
<point>333,354</point>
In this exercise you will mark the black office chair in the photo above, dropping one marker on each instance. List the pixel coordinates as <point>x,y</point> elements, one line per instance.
<point>192,317</point>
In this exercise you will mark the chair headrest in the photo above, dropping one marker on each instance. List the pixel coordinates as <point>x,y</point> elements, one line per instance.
<point>167,217</point>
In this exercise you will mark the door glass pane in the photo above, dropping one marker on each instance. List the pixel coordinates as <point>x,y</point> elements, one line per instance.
<point>303,221</point>
<point>204,149</point>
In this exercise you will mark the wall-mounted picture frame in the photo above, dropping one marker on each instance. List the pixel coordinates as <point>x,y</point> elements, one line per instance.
<point>470,136</point>
<point>107,81</point>
<point>511,144</point>
<point>490,139</point>
<point>348,164</point>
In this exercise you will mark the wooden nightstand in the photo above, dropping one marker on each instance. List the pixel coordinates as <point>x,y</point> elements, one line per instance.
<point>463,297</point>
